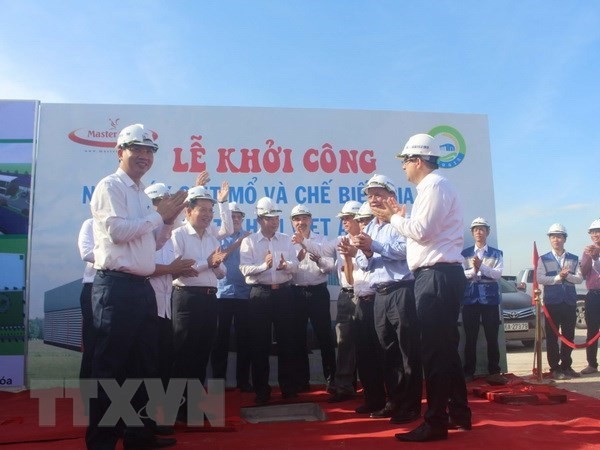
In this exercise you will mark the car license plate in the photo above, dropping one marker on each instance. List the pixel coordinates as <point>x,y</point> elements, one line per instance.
<point>517,326</point>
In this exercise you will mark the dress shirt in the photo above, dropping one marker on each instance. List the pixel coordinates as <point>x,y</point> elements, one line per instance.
<point>188,244</point>
<point>253,251</point>
<point>591,270</point>
<point>434,232</point>
<point>127,229</point>
<point>220,232</point>
<point>163,284</point>
<point>310,273</point>
<point>388,263</point>
<point>330,249</point>
<point>85,242</point>
<point>362,284</point>
<point>485,270</point>
<point>234,284</point>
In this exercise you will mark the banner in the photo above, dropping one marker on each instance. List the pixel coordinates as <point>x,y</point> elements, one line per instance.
<point>321,158</point>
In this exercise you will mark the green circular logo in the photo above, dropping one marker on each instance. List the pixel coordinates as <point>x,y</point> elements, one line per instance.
<point>452,146</point>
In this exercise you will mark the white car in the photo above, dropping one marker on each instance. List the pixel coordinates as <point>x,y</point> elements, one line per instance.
<point>525,283</point>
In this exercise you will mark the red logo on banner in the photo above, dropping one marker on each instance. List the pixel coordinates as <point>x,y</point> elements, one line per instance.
<point>100,138</point>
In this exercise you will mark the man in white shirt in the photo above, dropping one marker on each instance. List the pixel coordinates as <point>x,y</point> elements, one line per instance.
<point>559,271</point>
<point>344,385</point>
<point>167,268</point>
<point>127,233</point>
<point>268,260</point>
<point>369,353</point>
<point>85,242</point>
<point>194,300</point>
<point>309,285</point>
<point>434,238</point>
<point>483,266</point>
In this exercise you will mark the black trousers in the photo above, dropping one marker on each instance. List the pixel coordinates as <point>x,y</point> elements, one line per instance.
<point>165,350</point>
<point>369,355</point>
<point>87,331</point>
<point>564,317</point>
<point>489,317</point>
<point>345,371</point>
<point>232,310</point>
<point>194,325</point>
<point>438,292</point>
<point>315,307</point>
<point>592,318</point>
<point>126,335</point>
<point>268,309</point>
<point>397,328</point>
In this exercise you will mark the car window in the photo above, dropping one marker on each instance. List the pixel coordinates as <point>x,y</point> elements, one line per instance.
<point>507,286</point>
<point>530,276</point>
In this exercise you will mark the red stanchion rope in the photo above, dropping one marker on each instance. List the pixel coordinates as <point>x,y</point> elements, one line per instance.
<point>563,339</point>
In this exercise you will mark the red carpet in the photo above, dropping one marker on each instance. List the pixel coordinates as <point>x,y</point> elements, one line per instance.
<point>574,424</point>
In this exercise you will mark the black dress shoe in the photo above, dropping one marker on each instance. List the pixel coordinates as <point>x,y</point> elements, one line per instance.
<point>405,417</point>
<point>366,409</point>
<point>288,395</point>
<point>456,424</point>
<point>340,397</point>
<point>423,433</point>
<point>386,411</point>
<point>148,443</point>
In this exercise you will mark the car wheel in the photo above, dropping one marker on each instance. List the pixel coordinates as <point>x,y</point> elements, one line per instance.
<point>528,343</point>
<point>580,321</point>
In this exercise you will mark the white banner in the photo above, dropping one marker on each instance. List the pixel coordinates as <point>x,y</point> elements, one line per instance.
<point>317,157</point>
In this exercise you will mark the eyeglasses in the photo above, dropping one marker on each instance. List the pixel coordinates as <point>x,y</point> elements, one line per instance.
<point>409,160</point>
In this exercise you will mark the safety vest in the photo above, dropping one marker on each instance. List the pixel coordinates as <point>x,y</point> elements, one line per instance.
<point>485,290</point>
<point>562,292</point>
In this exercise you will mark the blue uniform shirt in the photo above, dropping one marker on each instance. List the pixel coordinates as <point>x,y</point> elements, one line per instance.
<point>234,284</point>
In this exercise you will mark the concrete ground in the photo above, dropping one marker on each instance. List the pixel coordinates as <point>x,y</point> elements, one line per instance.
<point>520,361</point>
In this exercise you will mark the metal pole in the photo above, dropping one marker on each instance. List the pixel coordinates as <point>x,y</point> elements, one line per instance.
<point>538,333</point>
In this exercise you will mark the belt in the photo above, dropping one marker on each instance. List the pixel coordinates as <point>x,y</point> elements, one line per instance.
<point>391,287</point>
<point>273,287</point>
<point>437,265</point>
<point>349,290</point>
<point>128,276</point>
<point>311,286</point>
<point>366,298</point>
<point>206,290</point>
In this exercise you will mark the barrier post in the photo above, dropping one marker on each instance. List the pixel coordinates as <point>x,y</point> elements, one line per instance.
<point>538,334</point>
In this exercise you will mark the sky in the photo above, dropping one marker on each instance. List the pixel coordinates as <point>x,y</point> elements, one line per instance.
<point>531,67</point>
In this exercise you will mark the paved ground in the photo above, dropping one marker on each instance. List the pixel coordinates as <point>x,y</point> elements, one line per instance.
<point>520,362</point>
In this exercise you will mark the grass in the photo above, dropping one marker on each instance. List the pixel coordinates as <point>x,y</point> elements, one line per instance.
<point>48,365</point>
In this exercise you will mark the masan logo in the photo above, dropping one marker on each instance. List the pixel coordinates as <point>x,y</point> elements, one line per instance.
<point>99,138</point>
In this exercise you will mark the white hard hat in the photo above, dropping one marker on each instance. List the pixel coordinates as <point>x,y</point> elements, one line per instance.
<point>136,134</point>
<point>380,181</point>
<point>350,208</point>
<point>157,190</point>
<point>557,228</point>
<point>422,145</point>
<point>267,207</point>
<point>199,193</point>
<point>595,225</point>
<point>234,207</point>
<point>300,210</point>
<point>480,222</point>
<point>364,211</point>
